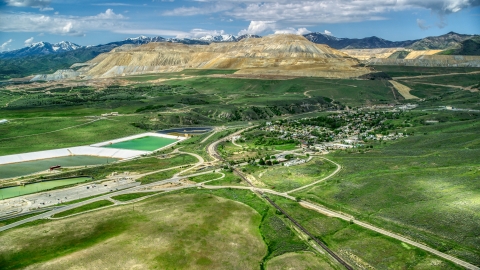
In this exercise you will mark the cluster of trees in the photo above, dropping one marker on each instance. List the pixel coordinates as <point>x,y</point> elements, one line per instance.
<point>274,141</point>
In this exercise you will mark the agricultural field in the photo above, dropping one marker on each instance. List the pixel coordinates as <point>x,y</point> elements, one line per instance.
<point>423,186</point>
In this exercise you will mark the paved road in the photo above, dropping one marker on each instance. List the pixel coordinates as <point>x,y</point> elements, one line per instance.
<point>144,188</point>
<point>211,148</point>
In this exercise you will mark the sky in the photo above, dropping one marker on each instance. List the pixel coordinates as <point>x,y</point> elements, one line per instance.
<point>93,22</point>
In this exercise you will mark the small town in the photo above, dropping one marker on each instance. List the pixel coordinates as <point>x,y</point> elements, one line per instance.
<point>340,131</point>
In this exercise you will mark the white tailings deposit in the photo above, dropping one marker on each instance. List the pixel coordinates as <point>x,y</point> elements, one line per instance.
<point>92,150</point>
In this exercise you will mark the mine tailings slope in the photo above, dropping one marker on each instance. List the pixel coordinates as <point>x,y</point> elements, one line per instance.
<point>283,54</point>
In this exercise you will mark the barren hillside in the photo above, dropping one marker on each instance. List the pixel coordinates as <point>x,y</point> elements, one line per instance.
<point>272,55</point>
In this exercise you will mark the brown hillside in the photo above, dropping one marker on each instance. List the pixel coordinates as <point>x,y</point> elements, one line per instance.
<point>271,55</point>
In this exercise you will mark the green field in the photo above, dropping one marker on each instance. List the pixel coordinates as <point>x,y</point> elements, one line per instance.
<point>361,248</point>
<point>132,196</point>
<point>166,232</point>
<point>43,165</point>
<point>423,186</point>
<point>158,176</point>
<point>300,260</point>
<point>401,71</point>
<point>205,177</point>
<point>16,191</point>
<point>464,80</point>
<point>283,178</point>
<point>12,140</point>
<point>148,143</point>
<point>84,208</point>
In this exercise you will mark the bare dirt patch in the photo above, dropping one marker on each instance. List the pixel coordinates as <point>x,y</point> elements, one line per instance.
<point>403,90</point>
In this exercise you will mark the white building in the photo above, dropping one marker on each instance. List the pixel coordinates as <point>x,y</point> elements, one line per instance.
<point>3,121</point>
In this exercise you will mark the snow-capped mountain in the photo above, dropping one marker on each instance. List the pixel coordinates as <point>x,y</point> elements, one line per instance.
<point>41,48</point>
<point>65,46</point>
<point>247,36</point>
<point>219,38</point>
<point>317,37</point>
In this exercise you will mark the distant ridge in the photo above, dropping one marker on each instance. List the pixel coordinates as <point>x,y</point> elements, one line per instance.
<point>450,40</point>
<point>45,48</point>
<point>41,48</point>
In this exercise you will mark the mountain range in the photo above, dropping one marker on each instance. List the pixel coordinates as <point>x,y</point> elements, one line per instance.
<point>44,57</point>
<point>46,48</point>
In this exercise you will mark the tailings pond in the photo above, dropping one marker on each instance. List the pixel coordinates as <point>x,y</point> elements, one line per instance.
<point>148,143</point>
<point>29,167</point>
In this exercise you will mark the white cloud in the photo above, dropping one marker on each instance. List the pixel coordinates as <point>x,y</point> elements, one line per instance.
<point>108,15</point>
<point>4,46</point>
<point>291,30</point>
<point>29,41</point>
<point>302,12</point>
<point>153,32</point>
<point>258,27</point>
<point>59,24</point>
<point>422,24</point>
<point>208,9</point>
<point>41,4</point>
<point>326,32</point>
<point>197,33</point>
<point>302,31</point>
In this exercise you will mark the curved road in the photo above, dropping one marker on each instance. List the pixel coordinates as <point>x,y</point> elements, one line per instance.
<point>339,168</point>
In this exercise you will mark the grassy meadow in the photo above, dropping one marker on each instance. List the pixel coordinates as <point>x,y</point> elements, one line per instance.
<point>168,232</point>
<point>282,179</point>
<point>84,208</point>
<point>403,71</point>
<point>361,248</point>
<point>424,186</point>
